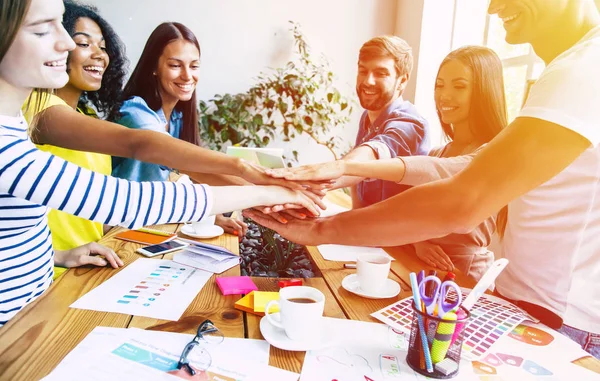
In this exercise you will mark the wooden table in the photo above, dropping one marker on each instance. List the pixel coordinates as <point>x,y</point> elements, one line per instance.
<point>44,332</point>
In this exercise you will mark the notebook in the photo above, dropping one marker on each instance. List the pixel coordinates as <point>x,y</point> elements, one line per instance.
<point>146,237</point>
<point>267,157</point>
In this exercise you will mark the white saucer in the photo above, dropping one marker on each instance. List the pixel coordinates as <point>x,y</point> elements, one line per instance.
<point>209,231</point>
<point>277,337</point>
<point>390,289</point>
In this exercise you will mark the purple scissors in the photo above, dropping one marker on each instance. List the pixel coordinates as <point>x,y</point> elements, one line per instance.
<point>438,297</point>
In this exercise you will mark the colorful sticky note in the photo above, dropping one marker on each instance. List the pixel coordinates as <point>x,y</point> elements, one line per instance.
<point>261,298</point>
<point>250,304</point>
<point>236,285</point>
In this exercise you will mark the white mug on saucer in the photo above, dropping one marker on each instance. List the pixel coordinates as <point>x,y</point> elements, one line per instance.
<point>200,226</point>
<point>372,271</point>
<point>300,312</point>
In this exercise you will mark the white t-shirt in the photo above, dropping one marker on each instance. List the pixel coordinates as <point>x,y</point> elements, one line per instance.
<point>552,238</point>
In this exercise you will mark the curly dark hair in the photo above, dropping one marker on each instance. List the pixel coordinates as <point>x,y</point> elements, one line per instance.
<point>105,99</point>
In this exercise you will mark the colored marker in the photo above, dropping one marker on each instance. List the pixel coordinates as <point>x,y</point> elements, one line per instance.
<point>417,300</point>
<point>442,338</point>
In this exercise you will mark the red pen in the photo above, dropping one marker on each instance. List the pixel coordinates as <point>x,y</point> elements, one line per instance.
<point>449,276</point>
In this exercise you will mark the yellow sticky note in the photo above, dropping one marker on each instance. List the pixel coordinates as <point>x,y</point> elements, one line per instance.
<point>261,298</point>
<point>246,303</point>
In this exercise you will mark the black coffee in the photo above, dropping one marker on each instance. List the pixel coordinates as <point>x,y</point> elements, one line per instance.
<point>302,300</point>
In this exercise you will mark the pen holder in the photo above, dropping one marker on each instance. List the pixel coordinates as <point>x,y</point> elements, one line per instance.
<point>444,349</point>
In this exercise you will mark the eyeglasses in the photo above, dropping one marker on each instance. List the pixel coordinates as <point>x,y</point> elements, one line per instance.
<point>197,355</point>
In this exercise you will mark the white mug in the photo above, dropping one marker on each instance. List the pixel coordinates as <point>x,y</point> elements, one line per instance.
<point>300,312</point>
<point>198,226</point>
<point>372,271</point>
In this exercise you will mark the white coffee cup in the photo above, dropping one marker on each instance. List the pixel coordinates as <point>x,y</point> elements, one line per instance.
<point>300,312</point>
<point>372,271</point>
<point>204,223</point>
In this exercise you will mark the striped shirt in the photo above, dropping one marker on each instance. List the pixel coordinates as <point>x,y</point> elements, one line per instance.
<point>31,179</point>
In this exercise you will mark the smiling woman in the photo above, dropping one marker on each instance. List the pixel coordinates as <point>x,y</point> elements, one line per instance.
<point>96,69</point>
<point>161,95</point>
<point>97,66</point>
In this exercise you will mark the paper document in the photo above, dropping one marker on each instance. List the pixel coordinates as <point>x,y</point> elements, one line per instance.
<point>156,288</point>
<point>362,351</point>
<point>343,253</point>
<point>207,257</point>
<point>132,354</point>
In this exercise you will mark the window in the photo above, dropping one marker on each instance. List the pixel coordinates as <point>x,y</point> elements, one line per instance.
<point>521,65</point>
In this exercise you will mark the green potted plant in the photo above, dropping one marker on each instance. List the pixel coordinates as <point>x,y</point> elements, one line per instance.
<point>297,99</point>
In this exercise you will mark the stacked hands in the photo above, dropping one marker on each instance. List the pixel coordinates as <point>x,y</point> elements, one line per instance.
<point>302,196</point>
<point>292,222</point>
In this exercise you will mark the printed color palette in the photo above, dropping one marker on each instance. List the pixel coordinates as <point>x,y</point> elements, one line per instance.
<point>491,318</point>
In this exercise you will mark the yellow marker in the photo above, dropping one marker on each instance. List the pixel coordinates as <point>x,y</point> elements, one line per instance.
<point>442,338</point>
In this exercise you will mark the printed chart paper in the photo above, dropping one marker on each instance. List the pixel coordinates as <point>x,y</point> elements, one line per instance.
<point>132,354</point>
<point>156,288</point>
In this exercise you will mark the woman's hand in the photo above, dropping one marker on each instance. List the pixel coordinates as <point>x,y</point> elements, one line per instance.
<point>288,199</point>
<point>232,225</point>
<point>89,254</point>
<point>433,255</point>
<point>316,172</point>
<point>258,175</point>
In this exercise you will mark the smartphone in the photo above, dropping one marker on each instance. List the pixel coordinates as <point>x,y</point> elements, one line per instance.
<point>161,248</point>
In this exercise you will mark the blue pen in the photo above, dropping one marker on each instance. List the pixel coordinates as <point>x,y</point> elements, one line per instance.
<point>417,300</point>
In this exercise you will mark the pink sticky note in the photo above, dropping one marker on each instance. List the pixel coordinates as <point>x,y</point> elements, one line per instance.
<point>236,285</point>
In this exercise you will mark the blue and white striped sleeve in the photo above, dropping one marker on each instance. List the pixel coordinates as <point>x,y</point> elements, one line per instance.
<point>28,173</point>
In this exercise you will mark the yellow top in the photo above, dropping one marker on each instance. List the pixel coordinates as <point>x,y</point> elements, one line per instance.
<point>67,230</point>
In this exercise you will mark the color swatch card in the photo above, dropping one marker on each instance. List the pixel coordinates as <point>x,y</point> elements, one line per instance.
<point>491,318</point>
<point>156,288</point>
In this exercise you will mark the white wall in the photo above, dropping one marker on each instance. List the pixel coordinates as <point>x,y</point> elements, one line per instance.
<point>433,28</point>
<point>241,38</point>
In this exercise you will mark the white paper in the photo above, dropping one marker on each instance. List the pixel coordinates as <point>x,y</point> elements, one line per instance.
<point>156,288</point>
<point>130,354</point>
<point>358,351</point>
<point>341,253</point>
<point>206,261</point>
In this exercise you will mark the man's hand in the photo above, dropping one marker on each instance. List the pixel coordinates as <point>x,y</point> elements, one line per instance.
<point>296,230</point>
<point>89,254</point>
<point>433,255</point>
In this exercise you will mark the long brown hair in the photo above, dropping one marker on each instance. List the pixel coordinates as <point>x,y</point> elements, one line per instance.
<point>487,112</point>
<point>145,85</point>
<point>12,14</point>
